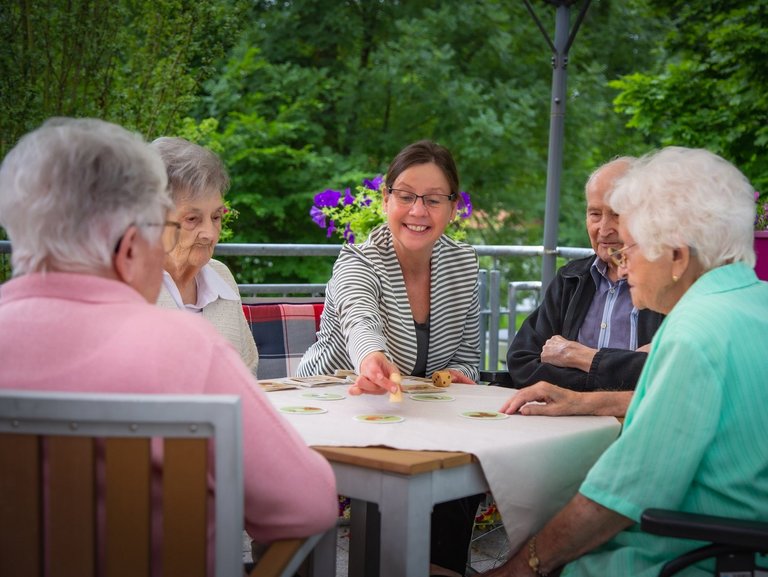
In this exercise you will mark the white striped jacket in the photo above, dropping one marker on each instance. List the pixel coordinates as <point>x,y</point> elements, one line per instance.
<point>367,310</point>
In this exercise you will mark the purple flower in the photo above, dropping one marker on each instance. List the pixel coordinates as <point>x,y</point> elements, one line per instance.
<point>317,216</point>
<point>374,183</point>
<point>327,198</point>
<point>349,236</point>
<point>348,198</point>
<point>331,229</point>
<point>464,205</point>
<point>366,201</point>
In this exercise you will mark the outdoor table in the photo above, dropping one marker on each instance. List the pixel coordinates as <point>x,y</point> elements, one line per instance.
<point>532,465</point>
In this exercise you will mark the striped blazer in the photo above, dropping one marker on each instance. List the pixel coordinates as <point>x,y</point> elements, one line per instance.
<point>367,309</point>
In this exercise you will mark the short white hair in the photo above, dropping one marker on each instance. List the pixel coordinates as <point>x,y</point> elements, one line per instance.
<point>193,171</point>
<point>688,197</point>
<point>613,164</point>
<point>70,189</point>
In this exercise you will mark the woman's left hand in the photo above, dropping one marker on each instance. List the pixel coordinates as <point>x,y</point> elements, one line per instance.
<point>459,377</point>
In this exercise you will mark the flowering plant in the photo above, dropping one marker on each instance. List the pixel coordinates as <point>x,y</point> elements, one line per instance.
<point>229,215</point>
<point>761,213</point>
<point>353,216</point>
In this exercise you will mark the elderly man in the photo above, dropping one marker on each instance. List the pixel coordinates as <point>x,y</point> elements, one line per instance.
<point>586,335</point>
<point>84,203</point>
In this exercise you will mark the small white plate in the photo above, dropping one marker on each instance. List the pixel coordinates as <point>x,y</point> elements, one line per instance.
<point>411,389</point>
<point>323,396</point>
<point>484,415</point>
<point>379,419</point>
<point>300,410</point>
<point>431,397</point>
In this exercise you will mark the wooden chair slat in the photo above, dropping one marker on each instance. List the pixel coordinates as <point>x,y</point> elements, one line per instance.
<point>71,515</point>
<point>185,466</point>
<point>276,558</point>
<point>128,508</point>
<point>20,506</point>
<point>113,484</point>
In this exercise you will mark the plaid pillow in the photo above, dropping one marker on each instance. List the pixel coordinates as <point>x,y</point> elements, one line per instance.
<point>283,333</point>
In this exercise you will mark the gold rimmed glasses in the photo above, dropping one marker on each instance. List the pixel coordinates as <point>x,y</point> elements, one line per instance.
<point>405,198</point>
<point>171,233</point>
<point>619,256</point>
<point>170,236</point>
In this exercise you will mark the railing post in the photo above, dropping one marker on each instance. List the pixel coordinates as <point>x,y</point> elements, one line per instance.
<point>511,312</point>
<point>494,320</point>
<point>482,278</point>
<point>515,286</point>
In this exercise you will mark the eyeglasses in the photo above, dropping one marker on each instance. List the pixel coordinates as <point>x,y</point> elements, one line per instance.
<point>619,256</point>
<point>405,198</point>
<point>171,233</point>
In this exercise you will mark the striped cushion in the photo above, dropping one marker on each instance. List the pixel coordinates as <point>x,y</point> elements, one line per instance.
<point>283,332</point>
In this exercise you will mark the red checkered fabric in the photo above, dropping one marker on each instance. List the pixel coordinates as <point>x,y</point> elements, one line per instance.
<point>283,332</point>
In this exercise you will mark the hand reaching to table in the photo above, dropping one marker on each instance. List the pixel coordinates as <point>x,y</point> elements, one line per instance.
<point>375,375</point>
<point>560,402</point>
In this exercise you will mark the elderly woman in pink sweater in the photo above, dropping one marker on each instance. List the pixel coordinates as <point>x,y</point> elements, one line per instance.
<point>84,205</point>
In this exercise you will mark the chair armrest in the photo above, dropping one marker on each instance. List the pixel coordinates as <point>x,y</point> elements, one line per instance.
<point>284,557</point>
<point>500,378</point>
<point>721,530</point>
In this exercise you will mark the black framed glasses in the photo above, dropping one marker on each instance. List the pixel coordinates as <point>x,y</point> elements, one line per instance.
<point>405,198</point>
<point>618,256</point>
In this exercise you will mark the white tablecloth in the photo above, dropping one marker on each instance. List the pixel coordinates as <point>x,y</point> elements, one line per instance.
<point>533,465</point>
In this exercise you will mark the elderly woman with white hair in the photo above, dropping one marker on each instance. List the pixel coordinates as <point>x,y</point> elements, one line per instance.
<point>686,217</point>
<point>193,281</point>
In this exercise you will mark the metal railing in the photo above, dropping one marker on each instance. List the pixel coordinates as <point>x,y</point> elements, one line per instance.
<point>491,293</point>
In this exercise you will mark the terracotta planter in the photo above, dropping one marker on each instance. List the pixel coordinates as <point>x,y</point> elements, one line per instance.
<point>761,250</point>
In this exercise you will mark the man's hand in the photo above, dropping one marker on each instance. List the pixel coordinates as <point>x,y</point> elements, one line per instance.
<point>561,352</point>
<point>374,378</point>
<point>558,401</point>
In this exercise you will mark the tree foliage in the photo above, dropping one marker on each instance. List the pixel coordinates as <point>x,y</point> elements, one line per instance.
<point>319,96</point>
<point>137,63</point>
<point>299,95</point>
<point>708,86</point>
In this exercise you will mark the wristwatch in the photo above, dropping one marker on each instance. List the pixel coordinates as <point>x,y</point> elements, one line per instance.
<point>533,558</point>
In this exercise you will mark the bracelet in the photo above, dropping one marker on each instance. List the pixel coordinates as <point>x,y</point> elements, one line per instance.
<point>533,559</point>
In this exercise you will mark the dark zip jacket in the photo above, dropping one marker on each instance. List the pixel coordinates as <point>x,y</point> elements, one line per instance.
<point>566,303</point>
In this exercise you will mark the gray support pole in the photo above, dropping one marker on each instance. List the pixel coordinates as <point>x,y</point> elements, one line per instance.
<point>563,40</point>
<point>555,155</point>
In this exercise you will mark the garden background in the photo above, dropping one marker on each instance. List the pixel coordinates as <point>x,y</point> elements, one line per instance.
<point>299,96</point>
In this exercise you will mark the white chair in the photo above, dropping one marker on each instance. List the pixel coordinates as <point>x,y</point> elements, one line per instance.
<point>51,469</point>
